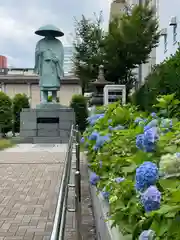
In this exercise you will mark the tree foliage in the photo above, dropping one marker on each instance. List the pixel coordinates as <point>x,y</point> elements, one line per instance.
<point>20,101</point>
<point>5,113</point>
<point>164,79</point>
<point>128,43</point>
<point>87,45</point>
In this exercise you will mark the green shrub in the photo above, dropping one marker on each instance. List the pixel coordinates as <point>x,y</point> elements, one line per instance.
<point>79,104</point>
<point>5,113</point>
<point>20,101</point>
<point>164,79</point>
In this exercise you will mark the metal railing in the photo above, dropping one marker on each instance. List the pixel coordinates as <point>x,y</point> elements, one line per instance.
<point>59,226</point>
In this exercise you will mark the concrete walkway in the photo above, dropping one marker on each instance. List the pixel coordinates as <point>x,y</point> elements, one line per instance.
<point>30,176</point>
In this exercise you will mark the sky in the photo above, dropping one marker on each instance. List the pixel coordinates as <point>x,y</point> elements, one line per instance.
<point>19,19</point>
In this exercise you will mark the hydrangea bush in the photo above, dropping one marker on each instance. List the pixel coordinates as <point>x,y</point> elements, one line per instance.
<point>134,158</point>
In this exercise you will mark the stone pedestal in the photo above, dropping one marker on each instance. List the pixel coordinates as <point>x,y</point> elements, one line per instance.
<point>48,124</point>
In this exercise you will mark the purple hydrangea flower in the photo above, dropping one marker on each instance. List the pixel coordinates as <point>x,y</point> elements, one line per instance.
<point>146,175</point>
<point>82,140</point>
<point>119,179</point>
<point>94,178</point>
<point>151,199</point>
<point>94,135</point>
<point>147,235</point>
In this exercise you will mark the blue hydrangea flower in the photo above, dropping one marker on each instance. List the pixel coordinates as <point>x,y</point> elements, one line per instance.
<point>94,178</point>
<point>146,175</point>
<point>94,135</point>
<point>153,115</point>
<point>151,199</point>
<point>118,127</point>
<point>119,179</point>
<point>147,235</point>
<point>147,140</point>
<point>105,194</point>
<point>153,123</point>
<point>177,154</point>
<point>110,120</point>
<point>151,135</point>
<point>100,141</point>
<point>94,118</point>
<point>140,141</point>
<point>82,140</point>
<point>166,124</point>
<point>138,119</point>
<point>110,128</point>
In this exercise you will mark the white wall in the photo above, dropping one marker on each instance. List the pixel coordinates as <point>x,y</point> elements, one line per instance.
<point>168,9</point>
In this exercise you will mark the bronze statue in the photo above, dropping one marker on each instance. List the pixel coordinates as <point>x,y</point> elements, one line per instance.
<point>49,59</point>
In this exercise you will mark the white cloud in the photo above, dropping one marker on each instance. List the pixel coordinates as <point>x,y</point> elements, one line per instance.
<point>20,19</point>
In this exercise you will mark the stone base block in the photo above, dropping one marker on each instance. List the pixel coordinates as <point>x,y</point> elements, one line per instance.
<point>47,125</point>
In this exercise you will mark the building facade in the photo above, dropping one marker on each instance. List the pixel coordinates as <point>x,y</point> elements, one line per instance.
<point>68,62</point>
<point>118,7</point>
<point>25,81</point>
<point>169,20</point>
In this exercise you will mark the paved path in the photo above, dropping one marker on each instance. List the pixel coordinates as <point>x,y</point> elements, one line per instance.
<point>30,176</point>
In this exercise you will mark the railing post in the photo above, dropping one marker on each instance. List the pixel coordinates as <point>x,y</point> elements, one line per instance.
<point>78,205</point>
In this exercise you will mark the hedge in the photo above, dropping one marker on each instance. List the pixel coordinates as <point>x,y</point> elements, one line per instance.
<point>79,104</point>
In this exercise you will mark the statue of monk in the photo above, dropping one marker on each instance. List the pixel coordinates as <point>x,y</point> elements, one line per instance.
<point>49,59</point>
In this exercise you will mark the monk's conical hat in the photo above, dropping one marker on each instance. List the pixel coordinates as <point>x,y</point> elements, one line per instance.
<point>49,30</point>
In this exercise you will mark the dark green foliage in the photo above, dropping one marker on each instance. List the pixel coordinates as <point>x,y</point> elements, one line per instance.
<point>164,79</point>
<point>20,101</point>
<point>79,104</point>
<point>87,56</point>
<point>5,113</point>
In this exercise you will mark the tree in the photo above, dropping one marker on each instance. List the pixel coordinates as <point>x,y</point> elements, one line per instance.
<point>87,44</point>
<point>5,113</point>
<point>128,43</point>
<point>20,101</point>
